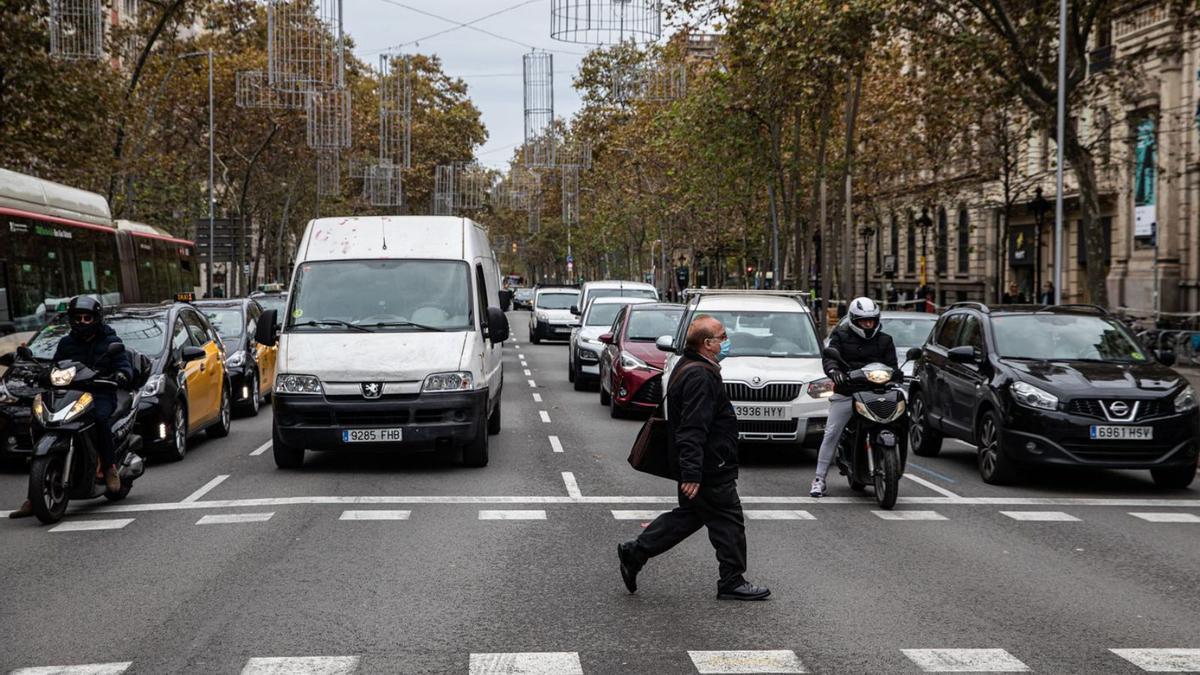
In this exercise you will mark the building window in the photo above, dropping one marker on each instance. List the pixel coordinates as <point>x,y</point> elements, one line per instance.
<point>895,237</point>
<point>964,242</point>
<point>878,248</point>
<point>943,241</point>
<point>911,263</point>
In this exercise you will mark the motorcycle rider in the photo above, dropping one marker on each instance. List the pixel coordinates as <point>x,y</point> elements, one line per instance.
<point>860,341</point>
<point>88,343</point>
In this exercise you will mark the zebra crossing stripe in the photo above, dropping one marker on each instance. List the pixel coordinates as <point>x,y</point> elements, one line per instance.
<point>744,662</point>
<point>527,663</point>
<point>909,515</point>
<point>86,669</point>
<point>301,665</point>
<point>1167,517</point>
<point>1041,516</point>
<point>767,514</point>
<point>90,525</point>
<point>965,661</point>
<point>1162,660</point>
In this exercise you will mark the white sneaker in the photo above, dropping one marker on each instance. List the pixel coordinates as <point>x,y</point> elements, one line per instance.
<point>818,487</point>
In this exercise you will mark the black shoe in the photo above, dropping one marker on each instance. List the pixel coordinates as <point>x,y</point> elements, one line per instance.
<point>744,591</point>
<point>629,565</point>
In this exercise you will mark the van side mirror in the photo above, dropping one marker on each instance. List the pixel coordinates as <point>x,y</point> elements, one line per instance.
<point>497,325</point>
<point>606,338</point>
<point>191,353</point>
<point>914,353</point>
<point>1165,357</point>
<point>666,343</point>
<point>575,310</point>
<point>962,354</point>
<point>267,331</point>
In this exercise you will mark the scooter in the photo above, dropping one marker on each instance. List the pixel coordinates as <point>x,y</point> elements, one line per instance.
<point>64,453</point>
<point>873,449</point>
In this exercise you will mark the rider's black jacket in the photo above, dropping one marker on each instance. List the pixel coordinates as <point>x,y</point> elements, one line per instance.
<point>858,352</point>
<point>94,353</point>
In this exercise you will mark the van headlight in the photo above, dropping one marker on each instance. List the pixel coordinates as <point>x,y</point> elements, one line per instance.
<point>61,377</point>
<point>457,381</point>
<point>236,359</point>
<point>541,316</point>
<point>298,384</point>
<point>1186,400</point>
<point>1032,397</point>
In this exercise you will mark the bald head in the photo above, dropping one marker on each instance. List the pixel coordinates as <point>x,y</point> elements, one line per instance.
<point>701,329</point>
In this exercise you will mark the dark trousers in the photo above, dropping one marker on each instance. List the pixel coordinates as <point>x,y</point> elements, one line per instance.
<point>102,410</point>
<point>716,507</point>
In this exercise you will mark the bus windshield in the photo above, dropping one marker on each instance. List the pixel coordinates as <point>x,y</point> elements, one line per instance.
<point>381,295</point>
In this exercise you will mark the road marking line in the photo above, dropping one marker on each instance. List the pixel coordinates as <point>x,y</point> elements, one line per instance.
<point>301,665</point>
<point>516,346</point>
<point>537,398</point>
<point>638,515</point>
<point>545,416</point>
<point>909,515</point>
<point>85,669</point>
<point>527,373</point>
<point>932,486</point>
<point>1042,516</point>
<point>497,514</point>
<point>261,449</point>
<point>529,663</point>
<point>965,661</point>
<point>555,444</point>
<point>762,514</point>
<point>736,662</point>
<point>195,496</point>
<point>1162,660</point>
<point>375,514</point>
<point>532,384</point>
<point>90,525</point>
<point>1167,517</point>
<point>228,518</point>
<point>572,485</point>
<point>931,472</point>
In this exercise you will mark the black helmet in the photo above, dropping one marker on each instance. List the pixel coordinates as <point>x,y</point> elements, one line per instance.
<point>85,314</point>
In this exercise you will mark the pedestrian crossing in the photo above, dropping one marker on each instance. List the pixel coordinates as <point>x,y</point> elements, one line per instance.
<point>729,662</point>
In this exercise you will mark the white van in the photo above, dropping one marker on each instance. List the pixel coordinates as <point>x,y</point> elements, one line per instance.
<point>609,289</point>
<point>391,342</point>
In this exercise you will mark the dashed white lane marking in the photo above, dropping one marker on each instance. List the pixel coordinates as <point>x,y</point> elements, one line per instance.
<point>1162,660</point>
<point>760,661</point>
<point>195,496</point>
<point>555,444</point>
<point>1167,517</point>
<point>537,398</point>
<point>86,669</point>
<point>375,514</point>
<point>572,485</point>
<point>229,518</point>
<point>909,515</point>
<point>527,372</point>
<point>638,515</point>
<point>965,661</point>
<point>767,514</point>
<point>545,416</point>
<point>89,525</point>
<point>501,514</point>
<point>1042,516</point>
<point>532,384</point>
<point>530,663</point>
<point>301,665</point>
<point>932,486</point>
<point>261,449</point>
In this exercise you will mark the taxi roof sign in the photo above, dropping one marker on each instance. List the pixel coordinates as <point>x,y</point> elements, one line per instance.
<point>185,297</point>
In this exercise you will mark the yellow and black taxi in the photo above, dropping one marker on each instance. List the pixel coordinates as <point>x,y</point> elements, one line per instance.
<point>249,365</point>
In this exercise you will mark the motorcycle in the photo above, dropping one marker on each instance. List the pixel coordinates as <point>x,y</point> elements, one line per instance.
<point>873,449</point>
<point>64,454</point>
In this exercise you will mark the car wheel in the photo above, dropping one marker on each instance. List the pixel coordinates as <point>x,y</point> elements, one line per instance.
<point>493,426</point>
<point>251,406</point>
<point>571,377</point>
<point>221,428</point>
<point>475,453</point>
<point>605,397</point>
<point>534,337</point>
<point>179,433</point>
<point>1174,478</point>
<point>286,456</point>
<point>924,441</point>
<point>580,382</point>
<point>995,467</point>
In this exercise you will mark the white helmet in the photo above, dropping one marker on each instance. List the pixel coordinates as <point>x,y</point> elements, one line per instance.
<point>864,308</point>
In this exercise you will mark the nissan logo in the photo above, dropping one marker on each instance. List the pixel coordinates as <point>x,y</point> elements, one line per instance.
<point>1118,408</point>
<point>372,389</point>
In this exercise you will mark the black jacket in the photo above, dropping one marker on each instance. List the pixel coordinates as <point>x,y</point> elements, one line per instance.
<point>702,424</point>
<point>94,353</point>
<point>859,352</point>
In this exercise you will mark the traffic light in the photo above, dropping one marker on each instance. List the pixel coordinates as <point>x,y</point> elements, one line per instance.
<point>750,269</point>
<point>514,247</point>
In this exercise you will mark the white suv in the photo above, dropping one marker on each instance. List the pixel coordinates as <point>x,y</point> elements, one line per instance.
<point>773,373</point>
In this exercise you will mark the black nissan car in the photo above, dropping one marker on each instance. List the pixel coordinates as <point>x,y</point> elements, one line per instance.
<point>1066,385</point>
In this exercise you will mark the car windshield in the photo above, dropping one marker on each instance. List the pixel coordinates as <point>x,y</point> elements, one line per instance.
<point>524,293</point>
<point>622,293</point>
<point>1064,337</point>
<point>384,295</point>
<point>145,334</point>
<point>908,332</point>
<point>557,300</point>
<point>647,325</point>
<point>227,321</point>
<point>774,334</point>
<point>602,314</point>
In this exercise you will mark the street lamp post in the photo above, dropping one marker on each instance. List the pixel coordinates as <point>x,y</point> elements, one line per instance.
<point>211,163</point>
<point>1039,206</point>
<point>924,222</point>
<point>866,232</point>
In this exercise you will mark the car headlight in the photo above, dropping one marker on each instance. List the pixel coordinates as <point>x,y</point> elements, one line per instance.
<point>631,362</point>
<point>155,385</point>
<point>1030,396</point>
<point>77,408</point>
<point>822,388</point>
<point>458,381</point>
<point>61,377</point>
<point>590,341</point>
<point>6,397</point>
<point>298,384</point>
<point>236,360</point>
<point>1186,399</point>
<point>865,411</point>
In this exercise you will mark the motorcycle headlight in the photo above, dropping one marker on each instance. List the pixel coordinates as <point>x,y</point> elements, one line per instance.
<point>154,386</point>
<point>822,388</point>
<point>237,359</point>
<point>1032,397</point>
<point>458,381</point>
<point>631,362</point>
<point>80,406</point>
<point>6,397</point>
<point>61,377</point>
<point>298,384</point>
<point>1186,399</point>
<point>879,375</point>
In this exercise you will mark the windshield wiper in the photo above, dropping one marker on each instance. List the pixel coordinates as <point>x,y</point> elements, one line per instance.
<point>333,322</point>
<point>392,324</point>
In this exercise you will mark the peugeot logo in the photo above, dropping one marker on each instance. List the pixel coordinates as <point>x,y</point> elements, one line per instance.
<point>372,389</point>
<point>1118,408</point>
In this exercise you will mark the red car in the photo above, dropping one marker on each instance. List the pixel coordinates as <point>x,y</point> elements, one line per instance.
<point>631,367</point>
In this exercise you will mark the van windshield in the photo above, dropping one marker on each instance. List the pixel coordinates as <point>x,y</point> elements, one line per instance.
<point>381,295</point>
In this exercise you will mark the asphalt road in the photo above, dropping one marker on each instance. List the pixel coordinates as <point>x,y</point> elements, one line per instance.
<point>224,564</point>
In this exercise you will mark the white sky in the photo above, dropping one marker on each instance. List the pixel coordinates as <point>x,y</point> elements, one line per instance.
<point>490,66</point>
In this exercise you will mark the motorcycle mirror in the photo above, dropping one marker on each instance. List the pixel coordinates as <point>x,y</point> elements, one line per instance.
<point>116,348</point>
<point>8,359</point>
<point>25,353</point>
<point>914,353</point>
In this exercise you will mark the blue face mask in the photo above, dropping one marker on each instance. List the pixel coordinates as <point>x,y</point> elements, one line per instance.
<point>725,347</point>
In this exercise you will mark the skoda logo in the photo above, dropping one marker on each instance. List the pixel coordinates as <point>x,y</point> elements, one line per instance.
<point>756,380</point>
<point>1118,408</point>
<point>372,389</point>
